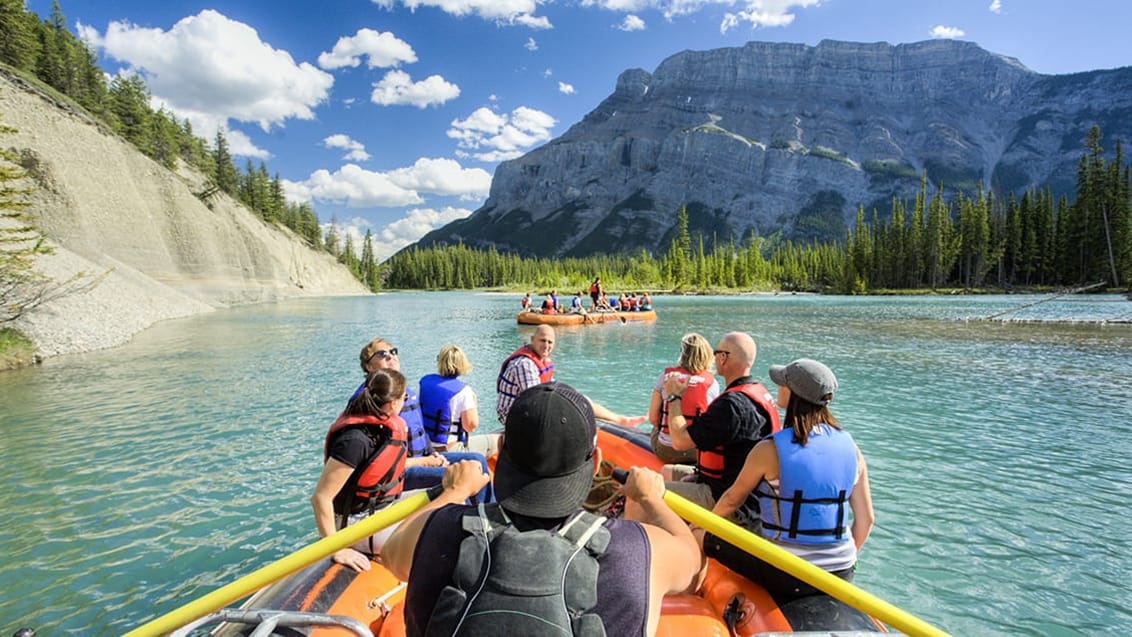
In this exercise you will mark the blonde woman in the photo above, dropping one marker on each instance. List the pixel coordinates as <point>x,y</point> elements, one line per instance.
<point>695,363</point>
<point>448,404</point>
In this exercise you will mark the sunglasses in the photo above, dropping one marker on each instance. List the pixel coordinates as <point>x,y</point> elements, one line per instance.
<point>383,354</point>
<point>721,351</point>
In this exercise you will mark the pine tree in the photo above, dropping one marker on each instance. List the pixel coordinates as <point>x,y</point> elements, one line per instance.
<point>226,176</point>
<point>129,101</point>
<point>19,41</point>
<point>680,251</point>
<point>332,241</point>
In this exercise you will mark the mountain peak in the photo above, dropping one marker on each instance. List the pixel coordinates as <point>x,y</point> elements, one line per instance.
<point>790,138</point>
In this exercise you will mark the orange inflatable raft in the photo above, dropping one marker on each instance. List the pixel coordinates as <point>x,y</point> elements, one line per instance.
<point>345,602</point>
<point>590,318</point>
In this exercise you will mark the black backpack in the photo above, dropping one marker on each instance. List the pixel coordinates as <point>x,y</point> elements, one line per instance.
<point>514,583</point>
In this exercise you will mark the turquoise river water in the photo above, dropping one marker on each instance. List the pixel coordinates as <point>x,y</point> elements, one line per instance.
<point>136,479</point>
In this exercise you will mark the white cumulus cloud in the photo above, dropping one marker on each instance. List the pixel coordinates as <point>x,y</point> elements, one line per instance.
<point>996,6</point>
<point>565,89</point>
<point>415,224</point>
<point>397,87</point>
<point>444,177</point>
<point>758,13</point>
<point>506,12</point>
<point>631,23</point>
<point>380,50</point>
<point>531,45</point>
<point>940,31</point>
<point>240,144</point>
<point>355,187</point>
<point>763,13</point>
<point>490,137</point>
<point>398,234</point>
<point>352,186</point>
<point>356,151</point>
<point>210,68</point>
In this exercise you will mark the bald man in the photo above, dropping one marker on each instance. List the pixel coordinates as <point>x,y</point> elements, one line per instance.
<point>727,431</point>
<point>530,365</point>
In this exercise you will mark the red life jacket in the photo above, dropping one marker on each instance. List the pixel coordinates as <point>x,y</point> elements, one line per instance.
<point>709,462</point>
<point>694,401</point>
<point>381,477</point>
<point>545,368</point>
<point>594,288</point>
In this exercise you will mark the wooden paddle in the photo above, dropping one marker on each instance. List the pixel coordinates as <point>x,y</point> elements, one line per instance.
<point>775,556</point>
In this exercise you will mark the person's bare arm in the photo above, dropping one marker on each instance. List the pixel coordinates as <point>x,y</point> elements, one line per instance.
<point>655,407</point>
<point>676,557</point>
<point>761,463</point>
<point>861,502</point>
<point>429,460</point>
<point>675,384</point>
<point>470,419</point>
<point>334,476</point>
<point>603,413</point>
<point>461,481</point>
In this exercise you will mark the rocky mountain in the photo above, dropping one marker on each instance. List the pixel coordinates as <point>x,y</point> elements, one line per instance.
<point>791,138</point>
<point>155,249</point>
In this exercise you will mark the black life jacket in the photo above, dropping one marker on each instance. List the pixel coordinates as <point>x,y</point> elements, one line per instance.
<point>512,582</point>
<point>710,462</point>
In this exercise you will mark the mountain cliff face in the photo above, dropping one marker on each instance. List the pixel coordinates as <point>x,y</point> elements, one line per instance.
<point>786,137</point>
<point>126,221</point>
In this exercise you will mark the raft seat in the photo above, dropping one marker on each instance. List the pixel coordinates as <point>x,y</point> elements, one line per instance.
<point>684,614</point>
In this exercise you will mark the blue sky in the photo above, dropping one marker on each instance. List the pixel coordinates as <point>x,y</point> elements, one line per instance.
<point>392,115</point>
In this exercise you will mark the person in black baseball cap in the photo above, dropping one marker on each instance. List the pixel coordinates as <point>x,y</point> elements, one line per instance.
<point>543,473</point>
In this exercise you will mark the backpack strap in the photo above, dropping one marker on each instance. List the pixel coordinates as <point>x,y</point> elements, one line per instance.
<point>582,530</point>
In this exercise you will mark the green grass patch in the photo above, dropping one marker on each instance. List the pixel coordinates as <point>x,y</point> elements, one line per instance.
<point>15,350</point>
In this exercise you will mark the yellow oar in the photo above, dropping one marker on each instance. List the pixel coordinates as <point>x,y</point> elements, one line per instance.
<point>800,568</point>
<point>788,562</point>
<point>281,568</point>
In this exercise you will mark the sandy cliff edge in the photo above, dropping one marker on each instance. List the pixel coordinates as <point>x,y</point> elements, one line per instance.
<point>111,212</point>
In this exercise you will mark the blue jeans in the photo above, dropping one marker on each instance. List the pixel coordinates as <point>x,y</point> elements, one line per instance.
<point>428,477</point>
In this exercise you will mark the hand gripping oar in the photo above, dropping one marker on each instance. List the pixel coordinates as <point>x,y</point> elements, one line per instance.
<point>817,577</point>
<point>283,567</point>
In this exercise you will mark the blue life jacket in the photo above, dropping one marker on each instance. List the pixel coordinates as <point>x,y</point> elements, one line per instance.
<point>436,408</point>
<point>814,483</point>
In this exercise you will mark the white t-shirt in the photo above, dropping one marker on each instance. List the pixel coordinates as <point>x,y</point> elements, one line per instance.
<point>464,400</point>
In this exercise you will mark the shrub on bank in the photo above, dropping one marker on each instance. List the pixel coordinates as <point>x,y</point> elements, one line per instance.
<point>15,350</point>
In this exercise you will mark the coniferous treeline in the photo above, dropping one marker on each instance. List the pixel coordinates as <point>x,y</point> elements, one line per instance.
<point>969,242</point>
<point>48,51</point>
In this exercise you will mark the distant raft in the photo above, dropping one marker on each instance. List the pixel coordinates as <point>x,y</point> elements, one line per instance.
<point>589,318</point>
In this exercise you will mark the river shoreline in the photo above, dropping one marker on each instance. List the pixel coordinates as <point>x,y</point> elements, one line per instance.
<point>22,351</point>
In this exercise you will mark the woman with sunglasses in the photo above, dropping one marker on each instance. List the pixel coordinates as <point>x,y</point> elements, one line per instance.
<point>364,455</point>
<point>425,467</point>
